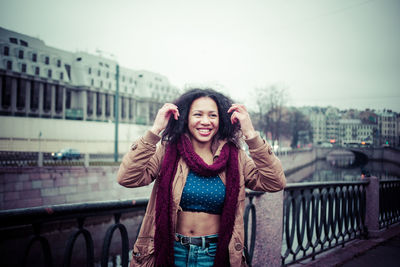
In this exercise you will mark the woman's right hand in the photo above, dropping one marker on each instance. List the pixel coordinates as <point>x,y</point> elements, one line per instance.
<point>163,116</point>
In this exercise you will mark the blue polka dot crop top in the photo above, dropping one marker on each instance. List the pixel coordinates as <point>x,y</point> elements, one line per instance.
<point>205,194</point>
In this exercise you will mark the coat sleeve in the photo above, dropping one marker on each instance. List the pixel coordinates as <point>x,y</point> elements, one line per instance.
<point>142,164</point>
<point>263,171</point>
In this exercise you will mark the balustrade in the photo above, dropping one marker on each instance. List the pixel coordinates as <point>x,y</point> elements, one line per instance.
<point>389,202</point>
<point>320,216</point>
<point>316,217</point>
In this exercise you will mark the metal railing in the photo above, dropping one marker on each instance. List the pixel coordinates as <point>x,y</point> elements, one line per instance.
<point>26,159</point>
<point>316,218</point>
<point>78,216</point>
<point>320,216</point>
<point>389,202</point>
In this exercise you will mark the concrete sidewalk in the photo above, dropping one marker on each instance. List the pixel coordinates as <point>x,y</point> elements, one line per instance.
<point>382,251</point>
<point>385,254</point>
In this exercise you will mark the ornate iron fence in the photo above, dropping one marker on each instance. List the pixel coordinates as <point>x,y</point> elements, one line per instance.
<point>22,158</point>
<point>320,216</point>
<point>317,217</point>
<point>389,202</point>
<point>76,217</point>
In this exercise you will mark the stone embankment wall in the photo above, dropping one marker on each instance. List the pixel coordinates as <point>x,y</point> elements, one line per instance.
<point>31,187</point>
<point>295,161</point>
<point>34,186</point>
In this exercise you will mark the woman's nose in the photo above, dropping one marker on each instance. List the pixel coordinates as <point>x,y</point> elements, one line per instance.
<point>205,120</point>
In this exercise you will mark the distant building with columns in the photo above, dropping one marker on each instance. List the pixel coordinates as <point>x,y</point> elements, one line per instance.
<point>40,81</point>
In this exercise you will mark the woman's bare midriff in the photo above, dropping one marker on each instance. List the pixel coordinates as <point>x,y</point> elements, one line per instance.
<point>197,223</point>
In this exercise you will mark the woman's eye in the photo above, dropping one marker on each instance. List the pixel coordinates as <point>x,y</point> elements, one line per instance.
<point>213,115</point>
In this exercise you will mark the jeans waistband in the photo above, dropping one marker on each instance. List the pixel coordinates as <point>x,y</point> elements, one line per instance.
<point>203,241</point>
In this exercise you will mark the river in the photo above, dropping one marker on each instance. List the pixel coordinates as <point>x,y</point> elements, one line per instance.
<point>323,171</point>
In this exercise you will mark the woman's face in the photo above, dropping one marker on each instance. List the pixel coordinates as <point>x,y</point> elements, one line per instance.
<point>203,120</point>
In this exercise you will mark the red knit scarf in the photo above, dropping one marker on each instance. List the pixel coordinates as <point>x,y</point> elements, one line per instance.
<point>164,235</point>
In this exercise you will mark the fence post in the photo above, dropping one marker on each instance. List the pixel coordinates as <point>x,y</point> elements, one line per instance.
<point>86,159</point>
<point>268,246</point>
<point>40,159</point>
<point>372,207</point>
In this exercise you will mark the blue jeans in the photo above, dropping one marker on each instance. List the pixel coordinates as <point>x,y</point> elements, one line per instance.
<point>194,256</point>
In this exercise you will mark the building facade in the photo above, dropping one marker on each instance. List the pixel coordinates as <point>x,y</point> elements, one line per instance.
<point>388,128</point>
<point>352,132</point>
<point>41,81</point>
<point>318,124</point>
<point>355,128</point>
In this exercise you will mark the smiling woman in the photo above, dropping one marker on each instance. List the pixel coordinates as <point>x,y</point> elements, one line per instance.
<point>195,213</point>
<point>203,121</point>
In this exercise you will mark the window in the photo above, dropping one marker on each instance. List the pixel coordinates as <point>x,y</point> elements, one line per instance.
<point>59,99</point>
<point>23,43</point>
<point>34,57</point>
<point>108,108</point>
<point>101,84</point>
<point>49,73</point>
<point>58,63</point>
<point>98,73</point>
<point>109,86</point>
<point>47,60</point>
<point>68,99</point>
<point>108,74</point>
<point>37,71</point>
<point>6,51</point>
<point>34,95</point>
<point>91,82</point>
<point>23,67</point>
<point>61,76</point>
<point>13,40</point>
<point>21,92</point>
<point>89,107</point>
<point>21,54</point>
<point>101,63</point>
<point>130,108</point>
<point>123,115</point>
<point>98,104</point>
<point>47,97</point>
<point>9,64</point>
<point>90,70</point>
<point>6,92</point>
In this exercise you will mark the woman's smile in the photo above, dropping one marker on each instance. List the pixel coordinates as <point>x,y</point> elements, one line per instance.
<point>203,120</point>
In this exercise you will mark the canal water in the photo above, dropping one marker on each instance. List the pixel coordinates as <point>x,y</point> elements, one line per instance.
<point>323,171</point>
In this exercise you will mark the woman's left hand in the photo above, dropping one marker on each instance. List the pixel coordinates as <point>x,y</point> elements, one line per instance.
<point>240,114</point>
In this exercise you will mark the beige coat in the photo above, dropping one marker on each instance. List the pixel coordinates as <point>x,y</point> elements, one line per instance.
<point>141,166</point>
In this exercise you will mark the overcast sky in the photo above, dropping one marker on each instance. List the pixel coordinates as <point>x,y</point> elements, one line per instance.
<point>343,53</point>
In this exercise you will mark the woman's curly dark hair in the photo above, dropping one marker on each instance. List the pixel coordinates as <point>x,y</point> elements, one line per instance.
<point>227,130</point>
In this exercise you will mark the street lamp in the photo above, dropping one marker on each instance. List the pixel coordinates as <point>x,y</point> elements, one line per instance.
<point>116,113</point>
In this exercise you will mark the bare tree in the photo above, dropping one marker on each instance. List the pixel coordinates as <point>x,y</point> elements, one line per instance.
<point>270,101</point>
<point>301,130</point>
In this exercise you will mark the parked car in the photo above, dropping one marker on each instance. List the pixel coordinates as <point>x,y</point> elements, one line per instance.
<point>66,153</point>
